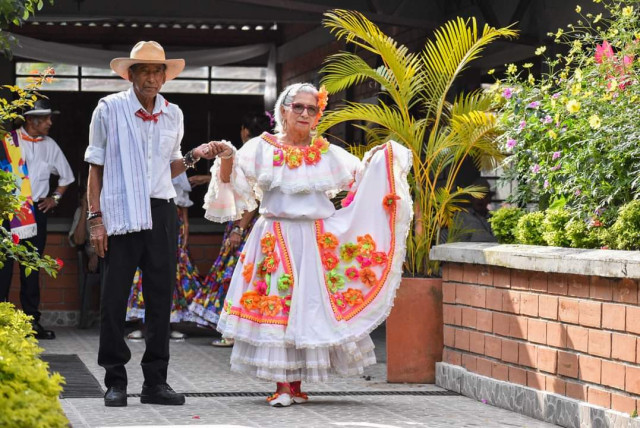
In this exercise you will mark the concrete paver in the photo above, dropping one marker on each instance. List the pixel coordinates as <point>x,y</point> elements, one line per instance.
<point>197,367</point>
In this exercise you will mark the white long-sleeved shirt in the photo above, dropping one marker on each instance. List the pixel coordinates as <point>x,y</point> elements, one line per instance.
<point>44,157</point>
<point>161,140</point>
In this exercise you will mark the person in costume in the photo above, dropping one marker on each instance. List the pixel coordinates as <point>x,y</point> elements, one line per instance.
<point>187,278</point>
<point>134,151</point>
<point>312,282</point>
<point>39,156</point>
<point>208,302</point>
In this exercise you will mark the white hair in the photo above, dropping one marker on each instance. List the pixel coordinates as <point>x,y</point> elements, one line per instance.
<point>286,98</point>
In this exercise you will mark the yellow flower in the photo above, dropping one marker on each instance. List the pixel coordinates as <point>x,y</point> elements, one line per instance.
<point>627,11</point>
<point>578,74</point>
<point>573,106</point>
<point>541,50</point>
<point>552,134</point>
<point>633,98</point>
<point>490,72</point>
<point>557,117</point>
<point>594,121</point>
<point>578,9</point>
<point>527,65</point>
<point>575,89</point>
<point>613,85</point>
<point>511,69</point>
<point>531,79</point>
<point>597,18</point>
<point>559,33</point>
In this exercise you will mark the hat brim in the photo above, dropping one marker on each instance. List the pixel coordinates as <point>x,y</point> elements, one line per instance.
<point>121,66</point>
<point>41,112</point>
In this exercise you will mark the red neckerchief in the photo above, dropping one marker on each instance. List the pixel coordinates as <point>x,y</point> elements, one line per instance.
<point>28,137</point>
<point>146,116</point>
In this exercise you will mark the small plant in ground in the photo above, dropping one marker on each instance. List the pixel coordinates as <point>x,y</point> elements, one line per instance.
<point>529,229</point>
<point>553,227</point>
<point>626,230</point>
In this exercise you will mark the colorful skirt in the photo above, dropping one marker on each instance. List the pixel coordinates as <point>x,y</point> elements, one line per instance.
<point>188,284</point>
<point>306,293</point>
<point>208,302</point>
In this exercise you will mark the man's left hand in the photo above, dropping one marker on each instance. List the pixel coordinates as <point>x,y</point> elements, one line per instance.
<point>203,151</point>
<point>47,204</point>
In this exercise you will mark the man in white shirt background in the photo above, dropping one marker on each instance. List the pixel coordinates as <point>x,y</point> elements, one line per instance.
<point>134,151</point>
<point>43,157</point>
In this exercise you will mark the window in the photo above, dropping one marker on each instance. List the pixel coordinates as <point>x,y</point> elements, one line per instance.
<point>193,80</point>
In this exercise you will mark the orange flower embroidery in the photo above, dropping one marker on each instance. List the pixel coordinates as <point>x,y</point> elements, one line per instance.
<point>322,144</point>
<point>348,251</point>
<point>353,297</point>
<point>268,243</point>
<point>312,155</point>
<point>329,260</point>
<point>293,157</point>
<point>270,263</point>
<point>328,241</point>
<point>389,201</point>
<point>352,273</point>
<point>368,277</point>
<point>247,272</point>
<point>242,256</point>
<point>379,258</point>
<point>270,306</point>
<point>366,245</point>
<point>251,300</point>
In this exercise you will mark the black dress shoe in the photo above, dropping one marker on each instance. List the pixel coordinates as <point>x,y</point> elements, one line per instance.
<point>41,333</point>
<point>161,394</point>
<point>116,396</point>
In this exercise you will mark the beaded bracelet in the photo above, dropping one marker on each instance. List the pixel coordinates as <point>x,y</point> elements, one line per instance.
<point>189,160</point>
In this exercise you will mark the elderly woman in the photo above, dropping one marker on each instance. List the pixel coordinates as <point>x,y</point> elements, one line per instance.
<point>312,282</point>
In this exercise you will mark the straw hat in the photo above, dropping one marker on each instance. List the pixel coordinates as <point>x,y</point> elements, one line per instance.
<point>147,53</point>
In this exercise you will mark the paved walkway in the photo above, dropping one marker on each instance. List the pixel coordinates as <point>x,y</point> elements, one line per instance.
<point>197,367</point>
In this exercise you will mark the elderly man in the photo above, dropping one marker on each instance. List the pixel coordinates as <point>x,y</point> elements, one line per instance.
<point>134,151</point>
<point>43,158</point>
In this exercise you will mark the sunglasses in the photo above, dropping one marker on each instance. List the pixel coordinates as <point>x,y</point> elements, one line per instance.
<point>298,108</point>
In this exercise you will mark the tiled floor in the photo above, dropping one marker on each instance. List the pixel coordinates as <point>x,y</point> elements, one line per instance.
<point>198,367</point>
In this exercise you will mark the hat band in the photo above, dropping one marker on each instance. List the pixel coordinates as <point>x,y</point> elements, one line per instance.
<point>38,112</point>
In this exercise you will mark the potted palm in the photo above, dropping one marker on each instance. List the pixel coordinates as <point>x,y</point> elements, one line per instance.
<point>442,130</point>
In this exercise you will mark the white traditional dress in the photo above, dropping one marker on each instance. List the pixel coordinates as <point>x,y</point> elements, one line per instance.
<point>312,282</point>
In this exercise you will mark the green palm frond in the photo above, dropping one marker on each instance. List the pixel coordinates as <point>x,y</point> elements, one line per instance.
<point>445,132</point>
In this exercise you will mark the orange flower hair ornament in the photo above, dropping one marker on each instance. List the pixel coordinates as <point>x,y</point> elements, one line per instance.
<point>323,98</point>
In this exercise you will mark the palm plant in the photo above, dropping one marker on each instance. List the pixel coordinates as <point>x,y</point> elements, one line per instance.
<point>440,131</point>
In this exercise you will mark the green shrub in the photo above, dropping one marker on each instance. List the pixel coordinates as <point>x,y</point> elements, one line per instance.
<point>580,235</point>
<point>529,229</point>
<point>553,227</point>
<point>626,229</point>
<point>503,223</point>
<point>28,394</point>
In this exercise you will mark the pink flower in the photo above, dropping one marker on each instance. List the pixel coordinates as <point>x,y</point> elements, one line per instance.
<point>556,95</point>
<point>511,143</point>
<point>522,125</point>
<point>546,184</point>
<point>364,261</point>
<point>535,169</point>
<point>60,263</point>
<point>556,155</point>
<point>603,51</point>
<point>507,93</point>
<point>261,287</point>
<point>547,119</point>
<point>534,104</point>
<point>557,167</point>
<point>352,273</point>
<point>578,192</point>
<point>15,238</point>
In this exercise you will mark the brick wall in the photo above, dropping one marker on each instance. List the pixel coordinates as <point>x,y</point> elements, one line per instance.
<point>572,335</point>
<point>62,292</point>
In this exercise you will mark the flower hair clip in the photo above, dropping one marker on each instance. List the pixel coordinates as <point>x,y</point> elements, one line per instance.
<point>323,98</point>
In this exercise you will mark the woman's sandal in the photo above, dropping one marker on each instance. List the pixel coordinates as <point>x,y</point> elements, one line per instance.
<point>280,400</point>
<point>135,335</point>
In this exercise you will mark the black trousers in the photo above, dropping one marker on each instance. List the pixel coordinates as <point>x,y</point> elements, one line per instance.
<point>154,251</point>
<point>29,285</point>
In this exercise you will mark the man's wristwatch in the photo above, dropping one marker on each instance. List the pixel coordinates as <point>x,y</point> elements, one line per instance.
<point>56,197</point>
<point>237,229</point>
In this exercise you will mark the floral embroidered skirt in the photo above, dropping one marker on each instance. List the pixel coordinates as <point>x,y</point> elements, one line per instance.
<point>207,303</point>
<point>306,293</point>
<point>187,285</point>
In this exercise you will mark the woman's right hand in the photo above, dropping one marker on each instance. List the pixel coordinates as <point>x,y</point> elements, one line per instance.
<point>220,149</point>
<point>198,180</point>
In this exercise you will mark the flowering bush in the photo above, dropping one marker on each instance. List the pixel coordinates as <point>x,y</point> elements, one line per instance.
<point>529,229</point>
<point>571,135</point>
<point>503,223</point>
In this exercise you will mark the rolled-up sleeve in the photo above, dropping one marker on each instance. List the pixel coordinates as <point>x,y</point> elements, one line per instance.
<point>176,153</point>
<point>61,167</point>
<point>95,152</point>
